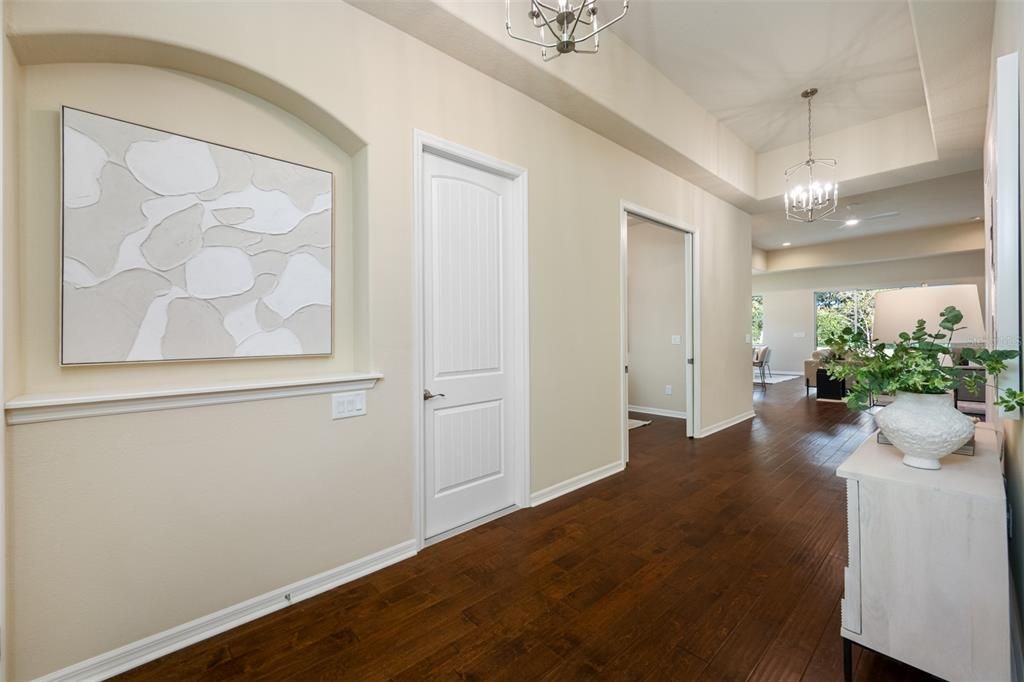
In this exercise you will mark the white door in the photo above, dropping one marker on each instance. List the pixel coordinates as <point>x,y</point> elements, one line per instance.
<point>470,219</point>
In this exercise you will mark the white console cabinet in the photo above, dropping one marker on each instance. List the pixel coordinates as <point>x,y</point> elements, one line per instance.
<point>927,581</point>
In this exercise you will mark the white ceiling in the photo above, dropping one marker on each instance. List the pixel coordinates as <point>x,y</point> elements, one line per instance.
<point>746,61</point>
<point>943,201</point>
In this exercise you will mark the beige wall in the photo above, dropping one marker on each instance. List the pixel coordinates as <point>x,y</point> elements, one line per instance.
<point>10,82</point>
<point>1008,36</point>
<point>789,296</point>
<point>124,526</point>
<point>932,241</point>
<point>873,148</point>
<point>957,268</point>
<point>789,328</point>
<point>657,312</point>
<point>758,260</point>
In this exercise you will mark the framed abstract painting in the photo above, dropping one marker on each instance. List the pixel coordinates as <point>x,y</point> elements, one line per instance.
<point>175,248</point>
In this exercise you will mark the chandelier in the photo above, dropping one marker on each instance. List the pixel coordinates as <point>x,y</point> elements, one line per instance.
<point>557,25</point>
<point>811,188</point>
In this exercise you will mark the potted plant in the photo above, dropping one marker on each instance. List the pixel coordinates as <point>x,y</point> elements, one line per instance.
<point>920,371</point>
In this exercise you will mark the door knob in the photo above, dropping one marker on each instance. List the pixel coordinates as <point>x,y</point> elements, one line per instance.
<point>427,395</point>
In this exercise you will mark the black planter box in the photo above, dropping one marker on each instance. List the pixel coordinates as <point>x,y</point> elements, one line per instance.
<point>829,388</point>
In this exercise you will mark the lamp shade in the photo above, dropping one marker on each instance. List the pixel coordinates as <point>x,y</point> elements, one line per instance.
<point>899,310</point>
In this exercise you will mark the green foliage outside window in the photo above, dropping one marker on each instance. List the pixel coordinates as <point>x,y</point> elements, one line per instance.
<point>757,319</point>
<point>836,310</point>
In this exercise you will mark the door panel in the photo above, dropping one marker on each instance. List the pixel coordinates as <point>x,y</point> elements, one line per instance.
<point>467,279</point>
<point>470,438</point>
<point>467,469</point>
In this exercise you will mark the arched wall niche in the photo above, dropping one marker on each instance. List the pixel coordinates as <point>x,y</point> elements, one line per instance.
<point>60,69</point>
<point>53,48</point>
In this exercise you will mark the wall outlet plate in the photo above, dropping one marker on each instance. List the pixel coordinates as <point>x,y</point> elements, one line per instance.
<point>348,404</point>
<point>668,389</point>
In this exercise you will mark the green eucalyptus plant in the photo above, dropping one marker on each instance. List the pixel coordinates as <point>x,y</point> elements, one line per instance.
<point>920,362</point>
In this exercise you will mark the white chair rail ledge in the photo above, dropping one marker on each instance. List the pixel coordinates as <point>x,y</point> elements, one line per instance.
<point>30,409</point>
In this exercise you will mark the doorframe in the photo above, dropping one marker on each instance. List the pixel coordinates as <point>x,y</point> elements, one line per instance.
<point>692,301</point>
<point>518,300</point>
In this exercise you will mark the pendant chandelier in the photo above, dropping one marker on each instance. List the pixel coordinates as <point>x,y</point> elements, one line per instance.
<point>557,25</point>
<point>812,191</point>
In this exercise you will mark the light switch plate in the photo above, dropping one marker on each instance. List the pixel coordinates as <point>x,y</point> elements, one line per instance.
<point>348,404</point>
<point>668,389</point>
<point>748,338</point>
<point>676,340</point>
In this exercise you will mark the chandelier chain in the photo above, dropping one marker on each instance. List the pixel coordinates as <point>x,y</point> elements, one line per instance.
<point>810,150</point>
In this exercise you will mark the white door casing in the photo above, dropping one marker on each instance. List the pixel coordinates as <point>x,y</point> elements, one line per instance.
<point>691,346</point>
<point>472,262</point>
<point>1003,214</point>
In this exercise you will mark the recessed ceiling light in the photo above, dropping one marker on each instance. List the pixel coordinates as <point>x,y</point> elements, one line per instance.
<point>787,243</point>
<point>851,222</point>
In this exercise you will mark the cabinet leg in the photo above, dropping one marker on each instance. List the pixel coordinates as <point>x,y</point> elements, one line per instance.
<point>847,660</point>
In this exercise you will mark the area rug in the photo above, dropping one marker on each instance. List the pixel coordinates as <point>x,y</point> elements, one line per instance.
<point>636,423</point>
<point>777,379</point>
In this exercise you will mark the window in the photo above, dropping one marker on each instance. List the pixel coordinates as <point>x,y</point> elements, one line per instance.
<point>757,319</point>
<point>834,310</point>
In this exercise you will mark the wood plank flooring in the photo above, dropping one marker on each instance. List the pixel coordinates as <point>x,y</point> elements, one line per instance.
<point>718,559</point>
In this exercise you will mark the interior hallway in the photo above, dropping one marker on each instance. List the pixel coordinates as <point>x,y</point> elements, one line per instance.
<point>717,559</point>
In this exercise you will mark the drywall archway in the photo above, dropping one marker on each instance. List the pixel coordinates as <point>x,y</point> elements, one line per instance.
<point>55,48</point>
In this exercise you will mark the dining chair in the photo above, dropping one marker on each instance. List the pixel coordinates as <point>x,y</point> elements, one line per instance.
<point>761,358</point>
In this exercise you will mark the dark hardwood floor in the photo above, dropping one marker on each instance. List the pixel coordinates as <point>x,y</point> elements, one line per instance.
<point>718,559</point>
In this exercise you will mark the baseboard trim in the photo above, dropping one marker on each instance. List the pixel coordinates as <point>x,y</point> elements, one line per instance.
<point>142,651</point>
<point>658,412</point>
<point>487,518</point>
<point>575,483</point>
<point>733,421</point>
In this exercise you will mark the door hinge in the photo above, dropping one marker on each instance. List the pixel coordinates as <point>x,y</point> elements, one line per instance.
<point>626,369</point>
<point>689,361</point>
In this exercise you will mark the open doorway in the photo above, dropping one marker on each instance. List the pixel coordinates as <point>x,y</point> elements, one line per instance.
<point>658,321</point>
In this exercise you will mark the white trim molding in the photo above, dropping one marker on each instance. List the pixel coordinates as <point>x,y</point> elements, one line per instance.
<point>691,347</point>
<point>658,411</point>
<point>144,650</point>
<point>31,409</point>
<point>732,421</point>
<point>575,483</point>
<point>476,523</point>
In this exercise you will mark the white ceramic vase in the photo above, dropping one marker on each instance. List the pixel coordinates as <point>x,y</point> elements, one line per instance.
<point>924,427</point>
